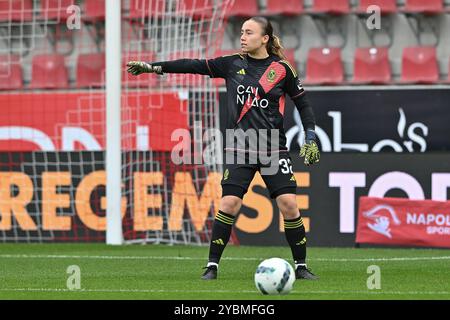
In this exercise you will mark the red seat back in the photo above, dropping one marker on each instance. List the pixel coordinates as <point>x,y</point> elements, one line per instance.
<point>147,8</point>
<point>419,65</point>
<point>10,72</point>
<point>372,65</point>
<point>94,10</point>
<point>56,9</point>
<point>425,6</point>
<point>331,7</point>
<point>91,70</point>
<point>16,10</point>
<point>285,7</point>
<point>386,6</point>
<point>244,9</point>
<point>290,56</point>
<point>49,72</point>
<point>198,9</point>
<point>324,66</point>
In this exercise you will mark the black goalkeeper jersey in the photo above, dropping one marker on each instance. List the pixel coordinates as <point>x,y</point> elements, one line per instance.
<point>256,90</point>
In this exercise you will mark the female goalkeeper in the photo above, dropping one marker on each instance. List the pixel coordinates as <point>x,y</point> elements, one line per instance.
<point>257,80</point>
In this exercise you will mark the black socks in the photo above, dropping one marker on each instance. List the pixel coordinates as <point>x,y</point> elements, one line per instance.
<point>223,224</point>
<point>295,235</point>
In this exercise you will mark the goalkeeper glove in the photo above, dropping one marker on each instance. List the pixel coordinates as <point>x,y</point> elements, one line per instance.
<point>138,67</point>
<point>310,150</point>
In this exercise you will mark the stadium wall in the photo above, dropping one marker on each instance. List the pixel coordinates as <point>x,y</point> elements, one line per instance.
<point>51,192</point>
<point>59,203</point>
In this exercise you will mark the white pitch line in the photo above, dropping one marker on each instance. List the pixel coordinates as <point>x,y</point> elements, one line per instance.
<point>303,292</point>
<point>382,259</point>
<point>56,256</point>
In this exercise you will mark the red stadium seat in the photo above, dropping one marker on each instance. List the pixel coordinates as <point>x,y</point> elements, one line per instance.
<point>16,10</point>
<point>419,65</point>
<point>49,72</point>
<point>143,80</point>
<point>198,9</point>
<point>290,56</point>
<point>56,9</point>
<point>386,6</point>
<point>94,10</point>
<point>331,7</point>
<point>425,6</point>
<point>243,9</point>
<point>324,66</point>
<point>371,65</point>
<point>144,8</point>
<point>10,72</point>
<point>285,7</point>
<point>91,70</point>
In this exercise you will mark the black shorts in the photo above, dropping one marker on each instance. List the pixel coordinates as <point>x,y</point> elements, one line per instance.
<point>279,178</point>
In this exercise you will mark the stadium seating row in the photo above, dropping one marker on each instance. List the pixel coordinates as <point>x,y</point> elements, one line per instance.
<point>49,71</point>
<point>296,7</point>
<point>371,65</point>
<point>22,10</point>
<point>323,66</point>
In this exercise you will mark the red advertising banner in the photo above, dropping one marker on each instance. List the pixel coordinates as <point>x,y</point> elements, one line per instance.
<point>396,221</point>
<point>73,121</point>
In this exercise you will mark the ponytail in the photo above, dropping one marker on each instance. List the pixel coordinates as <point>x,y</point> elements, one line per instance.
<point>274,47</point>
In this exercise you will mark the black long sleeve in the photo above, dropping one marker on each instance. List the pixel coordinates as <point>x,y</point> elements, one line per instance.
<point>306,112</point>
<point>295,90</point>
<point>215,68</point>
<point>196,66</point>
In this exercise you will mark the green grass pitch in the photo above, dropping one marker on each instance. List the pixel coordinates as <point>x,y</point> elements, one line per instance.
<point>39,271</point>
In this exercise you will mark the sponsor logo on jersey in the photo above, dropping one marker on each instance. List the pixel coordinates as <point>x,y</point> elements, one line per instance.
<point>249,96</point>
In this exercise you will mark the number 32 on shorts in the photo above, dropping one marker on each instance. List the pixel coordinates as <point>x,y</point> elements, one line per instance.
<point>286,166</point>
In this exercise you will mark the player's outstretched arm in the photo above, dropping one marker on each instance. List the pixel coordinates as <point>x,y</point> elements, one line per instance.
<point>215,68</point>
<point>138,67</point>
<point>310,150</point>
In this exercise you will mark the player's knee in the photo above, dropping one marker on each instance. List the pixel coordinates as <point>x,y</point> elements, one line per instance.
<point>289,208</point>
<point>230,204</point>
